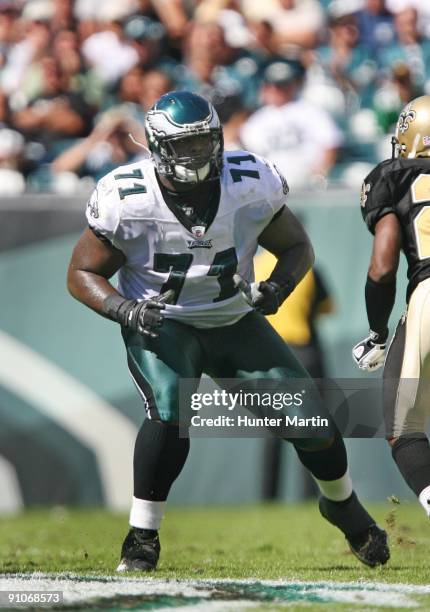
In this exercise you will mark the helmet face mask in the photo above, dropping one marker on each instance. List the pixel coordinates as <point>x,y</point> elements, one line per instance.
<point>185,138</point>
<point>412,138</point>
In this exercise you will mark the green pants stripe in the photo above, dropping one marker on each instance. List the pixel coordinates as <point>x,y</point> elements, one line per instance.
<point>249,349</point>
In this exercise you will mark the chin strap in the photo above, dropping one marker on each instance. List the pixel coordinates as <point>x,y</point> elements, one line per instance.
<point>139,144</point>
<point>413,153</point>
<point>393,147</point>
<point>187,175</point>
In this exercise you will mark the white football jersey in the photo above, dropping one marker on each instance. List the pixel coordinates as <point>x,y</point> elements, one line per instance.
<point>127,208</point>
<point>294,136</point>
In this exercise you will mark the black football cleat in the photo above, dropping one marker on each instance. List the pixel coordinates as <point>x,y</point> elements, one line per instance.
<point>140,551</point>
<point>367,541</point>
<point>371,546</point>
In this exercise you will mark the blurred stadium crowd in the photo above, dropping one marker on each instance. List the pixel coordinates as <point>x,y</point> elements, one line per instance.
<point>314,85</point>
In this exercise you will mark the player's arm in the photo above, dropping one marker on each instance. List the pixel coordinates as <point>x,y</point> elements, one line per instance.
<point>285,238</point>
<point>380,292</point>
<point>94,261</point>
<point>381,280</point>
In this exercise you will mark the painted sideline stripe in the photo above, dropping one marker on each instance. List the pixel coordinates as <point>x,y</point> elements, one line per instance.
<point>10,498</point>
<point>204,593</point>
<point>423,589</point>
<point>72,405</point>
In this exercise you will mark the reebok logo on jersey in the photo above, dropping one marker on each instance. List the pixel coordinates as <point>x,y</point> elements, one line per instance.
<point>200,244</point>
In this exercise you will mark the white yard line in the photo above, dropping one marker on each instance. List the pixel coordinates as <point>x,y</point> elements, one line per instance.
<point>78,589</point>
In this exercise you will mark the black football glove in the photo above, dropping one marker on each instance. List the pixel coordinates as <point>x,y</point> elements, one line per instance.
<point>143,316</point>
<point>369,354</point>
<point>265,296</point>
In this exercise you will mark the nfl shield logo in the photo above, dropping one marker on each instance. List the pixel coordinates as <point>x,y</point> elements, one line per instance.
<point>198,231</point>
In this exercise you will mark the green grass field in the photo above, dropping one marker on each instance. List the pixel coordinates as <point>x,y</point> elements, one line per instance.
<point>271,542</point>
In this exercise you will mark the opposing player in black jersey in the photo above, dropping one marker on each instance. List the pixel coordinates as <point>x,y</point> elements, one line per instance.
<point>395,201</point>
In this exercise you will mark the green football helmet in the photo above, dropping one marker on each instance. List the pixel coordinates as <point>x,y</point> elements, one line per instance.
<point>184,136</point>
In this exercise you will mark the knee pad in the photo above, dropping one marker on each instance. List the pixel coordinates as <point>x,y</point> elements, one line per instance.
<point>327,462</point>
<point>311,444</point>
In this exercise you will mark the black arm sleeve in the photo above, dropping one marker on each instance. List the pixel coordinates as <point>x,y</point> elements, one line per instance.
<point>379,304</point>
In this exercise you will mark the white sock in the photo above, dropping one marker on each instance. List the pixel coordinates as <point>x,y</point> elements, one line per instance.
<point>336,490</point>
<point>424,498</point>
<point>146,514</point>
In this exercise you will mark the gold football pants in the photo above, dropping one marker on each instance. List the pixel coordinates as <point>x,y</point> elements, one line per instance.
<point>407,369</point>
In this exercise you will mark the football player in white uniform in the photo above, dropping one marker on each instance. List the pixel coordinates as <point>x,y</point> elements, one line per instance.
<point>177,227</point>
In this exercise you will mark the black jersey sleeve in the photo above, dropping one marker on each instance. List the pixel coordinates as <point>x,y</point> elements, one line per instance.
<point>376,196</point>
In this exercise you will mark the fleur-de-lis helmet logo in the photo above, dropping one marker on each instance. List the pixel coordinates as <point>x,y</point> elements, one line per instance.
<point>405,118</point>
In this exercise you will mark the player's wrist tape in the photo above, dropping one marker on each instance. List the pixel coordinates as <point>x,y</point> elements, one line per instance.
<point>379,304</point>
<point>284,285</point>
<point>377,338</point>
<point>118,308</point>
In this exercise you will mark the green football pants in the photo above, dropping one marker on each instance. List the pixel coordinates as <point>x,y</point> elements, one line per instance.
<point>249,350</point>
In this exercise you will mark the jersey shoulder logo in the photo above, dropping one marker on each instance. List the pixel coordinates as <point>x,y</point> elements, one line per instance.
<point>285,187</point>
<point>405,119</point>
<point>365,188</point>
<point>93,204</point>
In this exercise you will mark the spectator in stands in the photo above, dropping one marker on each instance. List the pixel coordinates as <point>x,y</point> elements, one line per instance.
<point>148,38</point>
<point>409,48</point>
<point>11,151</point>
<point>108,146</point>
<point>109,143</point>
<point>155,83</point>
<point>421,7</point>
<point>301,139</point>
<point>63,17</point>
<point>174,18</point>
<point>65,49</point>
<point>375,24</point>
<point>226,75</point>
<point>107,50</point>
<point>129,91</point>
<point>8,23</point>
<point>57,114</point>
<point>138,90</point>
<point>227,14</point>
<point>21,73</point>
<point>395,92</point>
<point>349,64</point>
<point>262,42</point>
<point>5,118</point>
<point>297,23</point>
